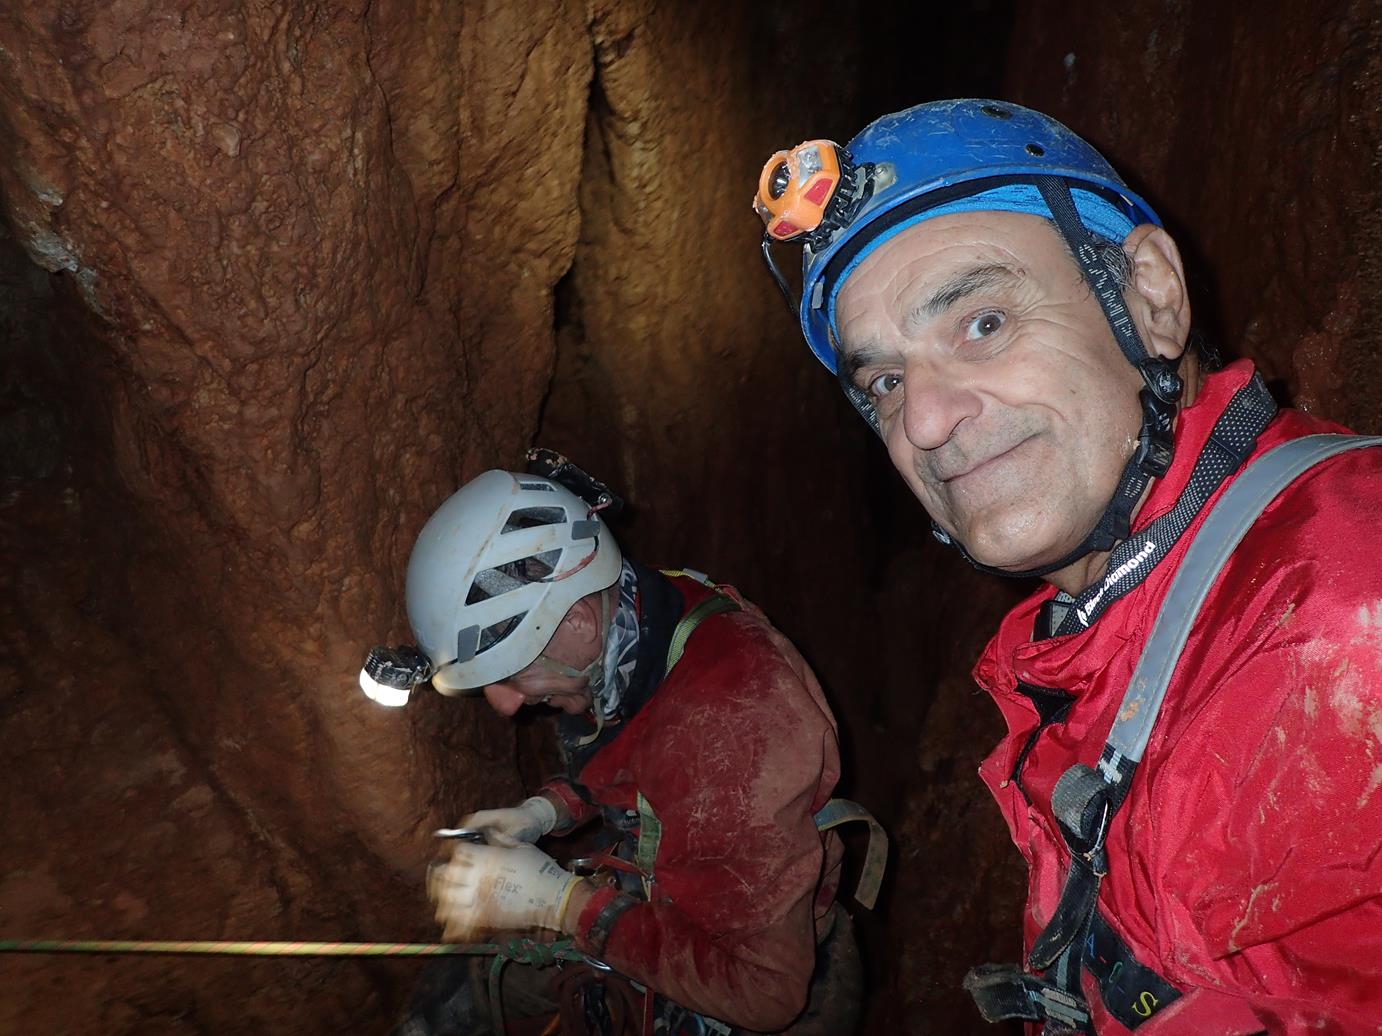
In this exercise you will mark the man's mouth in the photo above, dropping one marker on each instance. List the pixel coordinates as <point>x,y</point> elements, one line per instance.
<point>975,467</point>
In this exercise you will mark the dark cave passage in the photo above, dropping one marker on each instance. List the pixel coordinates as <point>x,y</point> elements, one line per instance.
<point>273,283</point>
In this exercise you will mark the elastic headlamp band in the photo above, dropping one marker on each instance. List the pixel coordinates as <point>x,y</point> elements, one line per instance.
<point>1097,213</point>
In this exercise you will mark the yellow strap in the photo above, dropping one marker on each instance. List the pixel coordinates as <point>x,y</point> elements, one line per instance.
<point>843,811</point>
<point>715,604</point>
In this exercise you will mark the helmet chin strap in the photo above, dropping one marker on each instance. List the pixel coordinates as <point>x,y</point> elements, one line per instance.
<point>1160,396</point>
<point>593,674</point>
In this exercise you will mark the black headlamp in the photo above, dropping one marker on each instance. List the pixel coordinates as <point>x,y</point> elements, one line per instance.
<point>551,464</point>
<point>390,674</point>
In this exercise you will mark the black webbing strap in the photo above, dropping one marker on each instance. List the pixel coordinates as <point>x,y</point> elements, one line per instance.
<point>1004,992</point>
<point>1105,282</point>
<point>1231,442</point>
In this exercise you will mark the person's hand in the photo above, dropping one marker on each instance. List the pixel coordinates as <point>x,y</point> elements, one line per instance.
<point>486,889</point>
<point>517,825</point>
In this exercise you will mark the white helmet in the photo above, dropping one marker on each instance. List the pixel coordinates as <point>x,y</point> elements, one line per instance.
<point>495,570</point>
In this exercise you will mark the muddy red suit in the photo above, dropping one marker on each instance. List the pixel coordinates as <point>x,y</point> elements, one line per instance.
<point>1224,877</point>
<point>690,729</point>
<point>734,752</point>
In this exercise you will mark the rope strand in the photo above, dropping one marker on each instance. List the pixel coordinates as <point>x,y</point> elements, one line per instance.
<point>523,950</point>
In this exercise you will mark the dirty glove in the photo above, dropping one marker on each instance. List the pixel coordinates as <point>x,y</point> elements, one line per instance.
<point>486,889</point>
<point>526,822</point>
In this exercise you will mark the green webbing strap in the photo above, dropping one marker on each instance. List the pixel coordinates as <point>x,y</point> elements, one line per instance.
<point>712,605</point>
<point>649,836</point>
<point>843,811</point>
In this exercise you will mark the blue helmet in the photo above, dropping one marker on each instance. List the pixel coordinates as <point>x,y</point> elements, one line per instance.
<point>968,155</point>
<point>952,156</point>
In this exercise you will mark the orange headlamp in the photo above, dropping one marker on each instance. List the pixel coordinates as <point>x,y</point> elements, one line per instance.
<point>796,187</point>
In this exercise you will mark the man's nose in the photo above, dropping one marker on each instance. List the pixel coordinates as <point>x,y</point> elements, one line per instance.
<point>504,698</point>
<point>933,405</point>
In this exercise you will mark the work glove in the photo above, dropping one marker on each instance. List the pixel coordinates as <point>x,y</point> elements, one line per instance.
<point>517,825</point>
<point>486,889</point>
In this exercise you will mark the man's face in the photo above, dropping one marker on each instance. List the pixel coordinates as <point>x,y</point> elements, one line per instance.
<point>1003,398</point>
<point>537,684</point>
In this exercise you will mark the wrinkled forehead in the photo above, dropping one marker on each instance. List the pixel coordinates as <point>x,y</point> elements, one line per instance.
<point>1096,212</point>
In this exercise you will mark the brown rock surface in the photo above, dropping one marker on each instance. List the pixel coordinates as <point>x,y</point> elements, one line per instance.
<point>1255,130</point>
<point>682,377</point>
<point>318,241</point>
<point>314,265</point>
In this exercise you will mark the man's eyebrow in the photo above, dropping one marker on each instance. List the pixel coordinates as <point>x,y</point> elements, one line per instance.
<point>957,288</point>
<point>852,362</point>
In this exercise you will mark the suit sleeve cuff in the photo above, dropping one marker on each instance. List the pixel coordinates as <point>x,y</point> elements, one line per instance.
<point>572,811</point>
<point>598,918</point>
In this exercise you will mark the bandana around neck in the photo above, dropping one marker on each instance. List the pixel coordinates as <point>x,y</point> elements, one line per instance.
<point>621,644</point>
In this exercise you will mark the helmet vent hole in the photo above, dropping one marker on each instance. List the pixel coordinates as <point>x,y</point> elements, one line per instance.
<point>491,635</point>
<point>532,517</point>
<point>1036,149</point>
<point>541,487</point>
<point>995,112</point>
<point>495,582</point>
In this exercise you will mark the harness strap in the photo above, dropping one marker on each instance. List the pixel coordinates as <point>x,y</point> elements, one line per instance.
<point>716,604</point>
<point>1078,899</point>
<point>831,815</point>
<point>1004,992</point>
<point>843,811</point>
<point>1231,441</point>
<point>1226,525</point>
<point>649,838</point>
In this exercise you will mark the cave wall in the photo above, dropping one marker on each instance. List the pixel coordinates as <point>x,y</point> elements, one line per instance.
<point>681,377</point>
<point>296,301</point>
<point>276,280</point>
<point>1255,130</point>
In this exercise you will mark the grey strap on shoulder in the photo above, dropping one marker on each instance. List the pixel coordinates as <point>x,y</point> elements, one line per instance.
<point>1236,511</point>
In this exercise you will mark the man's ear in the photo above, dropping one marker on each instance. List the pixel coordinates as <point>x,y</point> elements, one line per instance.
<point>1157,291</point>
<point>583,619</point>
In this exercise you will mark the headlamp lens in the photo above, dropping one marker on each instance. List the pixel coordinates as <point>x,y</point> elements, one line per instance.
<point>390,674</point>
<point>778,182</point>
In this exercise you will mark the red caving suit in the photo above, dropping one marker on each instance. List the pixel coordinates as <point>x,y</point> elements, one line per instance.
<point>735,752</point>
<point>1246,862</point>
